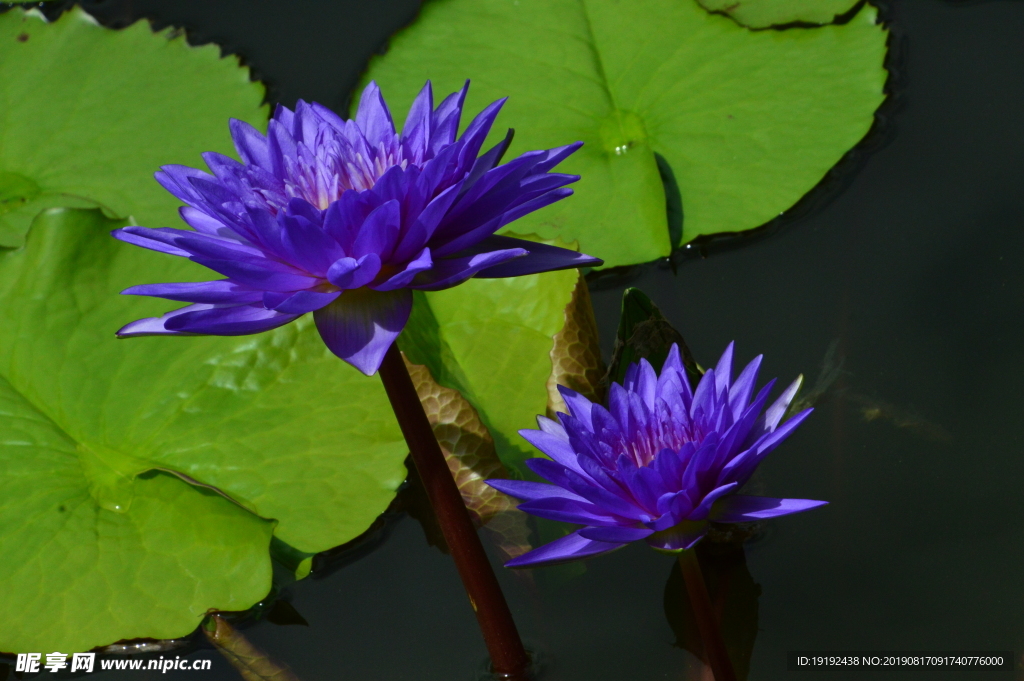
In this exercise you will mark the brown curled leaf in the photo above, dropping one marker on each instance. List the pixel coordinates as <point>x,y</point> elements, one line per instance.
<point>251,662</point>
<point>469,450</point>
<point>576,354</point>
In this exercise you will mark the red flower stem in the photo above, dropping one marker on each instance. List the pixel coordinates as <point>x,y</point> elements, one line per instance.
<point>508,657</point>
<point>714,648</point>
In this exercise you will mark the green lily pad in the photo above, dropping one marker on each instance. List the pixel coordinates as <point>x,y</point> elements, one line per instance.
<point>89,114</point>
<point>747,121</point>
<point>764,13</point>
<point>95,547</point>
<point>491,339</point>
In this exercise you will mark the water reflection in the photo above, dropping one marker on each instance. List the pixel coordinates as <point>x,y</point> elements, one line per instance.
<point>871,408</point>
<point>734,597</point>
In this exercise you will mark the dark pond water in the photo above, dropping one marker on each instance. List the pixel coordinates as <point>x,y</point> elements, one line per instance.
<point>908,265</point>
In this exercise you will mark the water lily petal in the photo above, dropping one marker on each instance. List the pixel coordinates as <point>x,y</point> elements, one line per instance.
<point>416,130</point>
<point>250,144</point>
<point>305,242</point>
<point>536,204</point>
<point>154,326</point>
<point>444,122</point>
<point>379,232</point>
<point>529,491</point>
<point>538,258</point>
<point>557,448</point>
<point>302,302</point>
<point>451,271</point>
<point>738,508</point>
<point>206,319</point>
<point>568,548</point>
<point>616,535</point>
<point>361,325</point>
<point>476,132</point>
<point>205,224</point>
<point>266,275</point>
<point>228,320</point>
<point>774,413</point>
<point>177,180</point>
<point>373,116</point>
<point>723,370</point>
<point>421,263</point>
<point>162,240</point>
<point>704,508</point>
<point>580,407</point>
<point>349,273</point>
<point>743,388</point>
<point>487,162</point>
<point>571,511</point>
<point>220,291</point>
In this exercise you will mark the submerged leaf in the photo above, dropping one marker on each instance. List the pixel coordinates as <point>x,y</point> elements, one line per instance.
<point>764,13</point>
<point>491,340</point>
<point>274,422</point>
<point>576,354</point>
<point>644,333</point>
<point>91,113</point>
<point>747,122</point>
<point>469,450</point>
<point>251,662</point>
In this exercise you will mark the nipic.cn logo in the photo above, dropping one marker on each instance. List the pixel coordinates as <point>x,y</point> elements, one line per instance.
<point>32,663</point>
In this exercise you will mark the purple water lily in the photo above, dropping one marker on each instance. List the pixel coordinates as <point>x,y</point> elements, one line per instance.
<point>658,464</point>
<point>345,218</point>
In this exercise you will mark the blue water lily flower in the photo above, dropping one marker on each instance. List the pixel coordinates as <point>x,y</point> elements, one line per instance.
<point>345,218</point>
<point>658,464</point>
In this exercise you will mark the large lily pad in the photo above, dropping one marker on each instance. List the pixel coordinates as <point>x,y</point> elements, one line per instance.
<point>89,114</point>
<point>94,547</point>
<point>747,121</point>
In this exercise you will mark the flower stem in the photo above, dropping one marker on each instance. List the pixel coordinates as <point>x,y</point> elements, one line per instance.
<point>718,658</point>
<point>508,657</point>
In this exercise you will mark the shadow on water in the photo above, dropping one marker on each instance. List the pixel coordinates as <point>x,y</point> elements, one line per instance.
<point>734,596</point>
